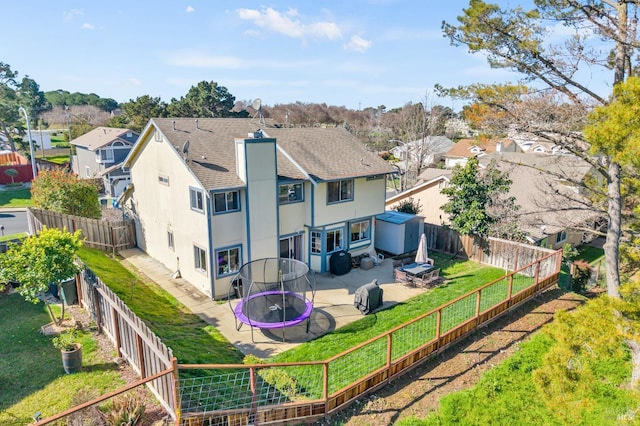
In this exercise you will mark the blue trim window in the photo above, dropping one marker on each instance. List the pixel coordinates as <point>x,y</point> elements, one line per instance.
<point>316,242</point>
<point>334,240</point>
<point>224,202</point>
<point>197,199</point>
<point>339,191</point>
<point>290,193</point>
<point>228,261</point>
<point>360,231</point>
<point>199,259</point>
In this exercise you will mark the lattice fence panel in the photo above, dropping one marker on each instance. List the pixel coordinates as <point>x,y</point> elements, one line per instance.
<point>458,312</point>
<point>355,365</point>
<point>494,294</point>
<point>413,336</point>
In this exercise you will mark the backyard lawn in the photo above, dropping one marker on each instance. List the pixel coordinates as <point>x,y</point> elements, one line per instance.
<point>32,378</point>
<point>16,198</point>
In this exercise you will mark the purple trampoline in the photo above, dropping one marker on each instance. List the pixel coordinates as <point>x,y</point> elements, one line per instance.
<point>274,293</point>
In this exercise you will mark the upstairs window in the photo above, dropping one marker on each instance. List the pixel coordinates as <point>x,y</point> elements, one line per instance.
<point>290,193</point>
<point>197,199</point>
<point>339,191</point>
<point>224,202</point>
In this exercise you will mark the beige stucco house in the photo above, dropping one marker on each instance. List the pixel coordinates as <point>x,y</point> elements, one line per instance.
<point>427,194</point>
<point>209,195</point>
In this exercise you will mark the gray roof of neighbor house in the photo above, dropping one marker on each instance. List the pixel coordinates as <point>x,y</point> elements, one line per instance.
<point>322,154</point>
<point>102,136</point>
<point>542,185</point>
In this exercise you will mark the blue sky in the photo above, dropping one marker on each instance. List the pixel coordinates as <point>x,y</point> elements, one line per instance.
<point>355,53</point>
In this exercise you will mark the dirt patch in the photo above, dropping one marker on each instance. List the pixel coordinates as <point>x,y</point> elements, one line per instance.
<point>418,393</point>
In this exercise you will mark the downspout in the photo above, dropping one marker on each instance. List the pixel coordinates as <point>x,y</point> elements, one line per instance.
<point>210,239</point>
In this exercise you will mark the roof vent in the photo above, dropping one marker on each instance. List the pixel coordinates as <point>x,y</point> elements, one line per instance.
<point>258,134</point>
<point>198,128</point>
<point>174,124</point>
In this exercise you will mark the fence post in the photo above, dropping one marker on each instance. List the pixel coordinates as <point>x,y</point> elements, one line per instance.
<point>389,350</point>
<point>438,323</point>
<point>325,385</point>
<point>510,289</point>
<point>176,389</point>
<point>116,330</point>
<point>139,346</point>
<point>96,308</point>
<point>478,298</point>
<point>537,273</point>
<point>254,395</point>
<point>113,241</point>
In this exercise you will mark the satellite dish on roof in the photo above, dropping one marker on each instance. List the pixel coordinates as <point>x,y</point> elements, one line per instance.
<point>185,149</point>
<point>256,104</point>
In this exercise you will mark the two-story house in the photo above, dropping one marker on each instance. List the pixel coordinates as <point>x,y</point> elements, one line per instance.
<point>209,195</point>
<point>100,153</point>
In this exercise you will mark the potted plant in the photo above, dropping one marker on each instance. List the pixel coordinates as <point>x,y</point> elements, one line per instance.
<point>70,349</point>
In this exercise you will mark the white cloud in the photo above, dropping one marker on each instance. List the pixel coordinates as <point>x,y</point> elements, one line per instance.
<point>70,15</point>
<point>358,44</point>
<point>135,81</point>
<point>87,26</point>
<point>289,24</point>
<point>190,9</point>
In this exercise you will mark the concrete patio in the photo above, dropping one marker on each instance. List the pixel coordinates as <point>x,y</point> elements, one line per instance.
<point>333,304</point>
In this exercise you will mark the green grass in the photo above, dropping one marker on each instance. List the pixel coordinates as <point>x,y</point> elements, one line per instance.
<point>10,237</point>
<point>567,374</point>
<point>192,340</point>
<point>463,276</point>
<point>16,198</point>
<point>57,159</point>
<point>31,374</point>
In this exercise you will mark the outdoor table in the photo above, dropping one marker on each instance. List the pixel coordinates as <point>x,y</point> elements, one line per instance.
<point>417,270</point>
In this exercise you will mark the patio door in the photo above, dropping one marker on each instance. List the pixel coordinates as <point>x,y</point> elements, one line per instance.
<point>291,247</point>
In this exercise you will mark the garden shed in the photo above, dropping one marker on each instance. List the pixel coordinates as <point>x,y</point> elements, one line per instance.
<point>398,232</point>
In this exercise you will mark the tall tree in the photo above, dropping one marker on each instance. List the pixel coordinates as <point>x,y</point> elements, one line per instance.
<point>477,199</point>
<point>139,111</point>
<point>519,40</point>
<point>9,115</point>
<point>40,260</point>
<point>206,99</point>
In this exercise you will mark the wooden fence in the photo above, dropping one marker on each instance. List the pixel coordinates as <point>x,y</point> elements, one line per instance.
<point>100,234</point>
<point>373,363</point>
<point>497,252</point>
<point>244,394</point>
<point>133,340</point>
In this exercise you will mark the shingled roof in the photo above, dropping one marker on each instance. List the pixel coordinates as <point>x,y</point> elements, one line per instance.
<point>322,154</point>
<point>101,136</point>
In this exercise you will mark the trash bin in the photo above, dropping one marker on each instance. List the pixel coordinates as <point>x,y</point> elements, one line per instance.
<point>69,291</point>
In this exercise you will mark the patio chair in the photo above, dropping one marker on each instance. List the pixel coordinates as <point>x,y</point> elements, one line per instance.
<point>402,277</point>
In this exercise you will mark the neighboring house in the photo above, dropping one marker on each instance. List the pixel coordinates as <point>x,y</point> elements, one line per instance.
<point>531,143</point>
<point>553,210</point>
<point>427,194</point>
<point>424,152</point>
<point>209,195</point>
<point>41,138</point>
<point>100,153</point>
<point>467,148</point>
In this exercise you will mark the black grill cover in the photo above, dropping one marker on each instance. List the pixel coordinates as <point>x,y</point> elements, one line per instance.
<point>368,297</point>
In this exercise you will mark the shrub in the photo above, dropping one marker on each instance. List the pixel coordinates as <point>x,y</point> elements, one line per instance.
<point>580,275</point>
<point>410,206</point>
<point>124,410</point>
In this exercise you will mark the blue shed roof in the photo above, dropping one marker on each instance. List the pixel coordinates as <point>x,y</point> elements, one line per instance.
<point>396,217</point>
